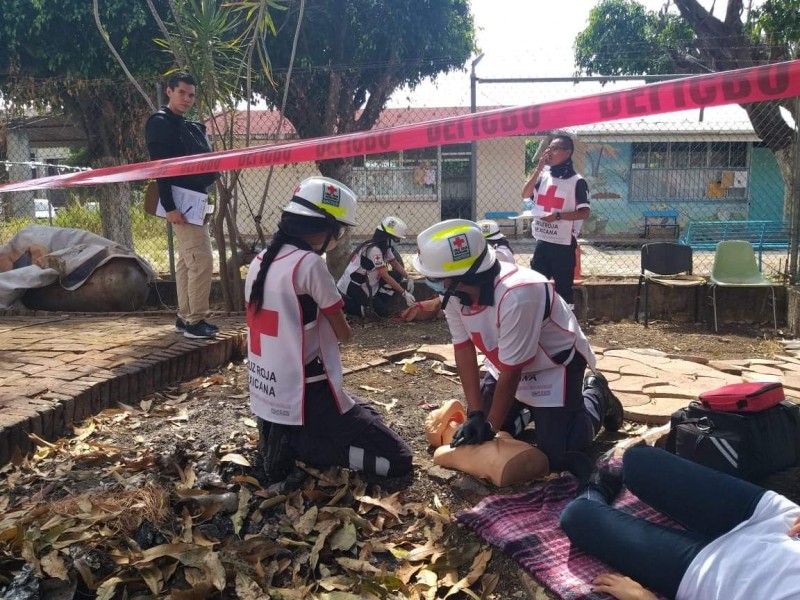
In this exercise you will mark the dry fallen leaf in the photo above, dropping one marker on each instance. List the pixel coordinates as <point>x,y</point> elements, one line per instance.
<point>236,459</point>
<point>369,388</point>
<point>409,368</point>
<point>411,359</point>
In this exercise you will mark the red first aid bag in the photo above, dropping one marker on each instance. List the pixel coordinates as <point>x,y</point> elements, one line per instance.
<point>743,397</point>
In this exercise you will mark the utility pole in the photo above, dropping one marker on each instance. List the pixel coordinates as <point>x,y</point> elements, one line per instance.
<point>473,159</point>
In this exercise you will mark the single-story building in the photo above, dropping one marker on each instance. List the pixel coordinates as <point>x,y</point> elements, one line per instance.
<point>707,165</point>
<point>421,186</point>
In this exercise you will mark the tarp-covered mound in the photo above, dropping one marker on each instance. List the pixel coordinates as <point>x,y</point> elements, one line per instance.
<point>46,266</point>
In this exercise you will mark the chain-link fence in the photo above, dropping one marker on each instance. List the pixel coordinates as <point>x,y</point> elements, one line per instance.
<point>652,178</point>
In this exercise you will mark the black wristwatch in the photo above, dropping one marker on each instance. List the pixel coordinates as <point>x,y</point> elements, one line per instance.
<point>558,216</point>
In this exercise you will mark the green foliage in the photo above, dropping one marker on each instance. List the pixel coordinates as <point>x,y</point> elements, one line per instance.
<point>531,147</point>
<point>79,216</point>
<point>206,34</point>
<point>55,59</point>
<point>352,54</point>
<point>776,24</point>
<point>58,38</point>
<point>622,37</point>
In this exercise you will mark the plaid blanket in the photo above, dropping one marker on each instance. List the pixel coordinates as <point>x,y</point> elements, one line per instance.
<point>525,526</point>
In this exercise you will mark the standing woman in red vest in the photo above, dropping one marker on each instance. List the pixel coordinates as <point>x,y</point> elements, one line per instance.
<point>561,198</point>
<point>295,323</point>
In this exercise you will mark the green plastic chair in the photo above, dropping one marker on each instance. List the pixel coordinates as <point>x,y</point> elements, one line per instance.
<point>735,267</point>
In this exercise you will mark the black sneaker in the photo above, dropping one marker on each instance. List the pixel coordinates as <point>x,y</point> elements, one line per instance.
<point>606,480</point>
<point>180,326</point>
<point>212,326</point>
<point>294,481</point>
<point>612,419</point>
<point>199,330</point>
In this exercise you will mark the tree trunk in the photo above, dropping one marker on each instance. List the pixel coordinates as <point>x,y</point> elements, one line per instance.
<point>337,258</point>
<point>115,207</point>
<point>786,165</point>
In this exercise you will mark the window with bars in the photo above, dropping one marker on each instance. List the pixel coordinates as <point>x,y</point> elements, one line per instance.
<point>407,175</point>
<point>681,171</point>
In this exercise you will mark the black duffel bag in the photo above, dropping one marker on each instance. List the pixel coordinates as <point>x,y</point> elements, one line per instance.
<point>746,445</point>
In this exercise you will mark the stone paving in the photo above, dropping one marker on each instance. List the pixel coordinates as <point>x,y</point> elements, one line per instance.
<point>59,368</point>
<point>652,384</point>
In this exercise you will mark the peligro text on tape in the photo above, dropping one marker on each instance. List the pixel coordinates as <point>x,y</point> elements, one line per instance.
<point>741,86</point>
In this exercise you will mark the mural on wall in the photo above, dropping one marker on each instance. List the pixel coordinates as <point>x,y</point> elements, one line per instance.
<point>607,172</point>
<point>754,192</point>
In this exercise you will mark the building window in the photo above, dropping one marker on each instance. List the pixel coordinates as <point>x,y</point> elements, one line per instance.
<point>681,171</point>
<point>406,175</point>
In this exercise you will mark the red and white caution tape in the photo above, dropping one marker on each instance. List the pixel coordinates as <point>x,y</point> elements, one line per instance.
<point>755,84</point>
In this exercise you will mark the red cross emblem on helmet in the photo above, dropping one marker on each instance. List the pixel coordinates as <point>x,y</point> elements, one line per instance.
<point>459,247</point>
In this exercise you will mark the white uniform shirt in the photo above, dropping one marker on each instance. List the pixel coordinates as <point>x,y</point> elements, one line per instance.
<point>554,194</point>
<point>513,333</point>
<point>504,253</point>
<point>280,344</point>
<point>364,269</point>
<point>756,560</point>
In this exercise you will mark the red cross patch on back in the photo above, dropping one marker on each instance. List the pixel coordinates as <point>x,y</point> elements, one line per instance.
<point>264,322</point>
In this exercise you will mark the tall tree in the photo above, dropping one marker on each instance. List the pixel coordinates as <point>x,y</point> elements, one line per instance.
<point>351,55</point>
<point>56,58</point>
<point>622,37</point>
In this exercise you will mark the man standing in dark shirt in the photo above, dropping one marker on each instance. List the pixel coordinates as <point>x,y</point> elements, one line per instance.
<point>169,134</point>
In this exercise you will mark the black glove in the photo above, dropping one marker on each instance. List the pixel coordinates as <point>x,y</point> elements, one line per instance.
<point>476,430</point>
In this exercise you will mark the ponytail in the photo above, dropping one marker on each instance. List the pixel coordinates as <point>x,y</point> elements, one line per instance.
<point>291,230</point>
<point>257,291</point>
<point>380,239</point>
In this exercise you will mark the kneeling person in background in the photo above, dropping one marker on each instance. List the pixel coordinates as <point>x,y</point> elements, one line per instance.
<point>367,281</point>
<point>498,241</point>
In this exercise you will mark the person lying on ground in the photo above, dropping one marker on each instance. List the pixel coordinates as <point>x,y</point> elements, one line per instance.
<point>740,542</point>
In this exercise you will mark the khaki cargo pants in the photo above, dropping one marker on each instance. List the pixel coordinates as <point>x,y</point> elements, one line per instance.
<point>193,271</point>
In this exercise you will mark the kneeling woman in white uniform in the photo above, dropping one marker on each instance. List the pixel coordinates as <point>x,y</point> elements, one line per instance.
<point>294,322</point>
<point>368,281</point>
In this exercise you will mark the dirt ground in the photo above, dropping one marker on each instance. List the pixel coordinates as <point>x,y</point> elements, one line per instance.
<point>62,511</point>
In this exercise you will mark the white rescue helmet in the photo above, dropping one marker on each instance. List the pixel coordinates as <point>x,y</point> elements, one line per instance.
<point>394,226</point>
<point>490,229</point>
<point>328,195</point>
<point>450,248</point>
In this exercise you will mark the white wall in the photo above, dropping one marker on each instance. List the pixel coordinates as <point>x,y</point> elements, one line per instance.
<point>500,175</point>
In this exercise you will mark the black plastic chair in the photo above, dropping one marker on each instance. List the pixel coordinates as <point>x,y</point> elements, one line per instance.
<point>668,264</point>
